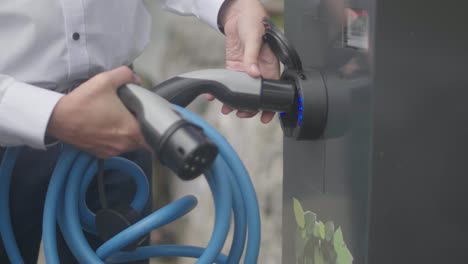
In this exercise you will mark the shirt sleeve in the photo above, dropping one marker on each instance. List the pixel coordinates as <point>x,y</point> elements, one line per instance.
<point>25,111</point>
<point>206,10</point>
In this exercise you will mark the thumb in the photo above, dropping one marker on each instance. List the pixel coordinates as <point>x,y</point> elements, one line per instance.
<point>120,76</point>
<point>252,46</point>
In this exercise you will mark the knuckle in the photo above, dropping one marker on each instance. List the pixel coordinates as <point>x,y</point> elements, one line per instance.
<point>136,140</point>
<point>134,128</point>
<point>103,79</point>
<point>102,155</point>
<point>134,132</point>
<point>120,145</point>
<point>121,148</point>
<point>140,141</point>
<point>125,145</point>
<point>126,70</point>
<point>125,74</point>
<point>112,152</point>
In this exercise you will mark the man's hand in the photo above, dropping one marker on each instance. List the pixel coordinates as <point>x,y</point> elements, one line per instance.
<point>245,51</point>
<point>93,118</point>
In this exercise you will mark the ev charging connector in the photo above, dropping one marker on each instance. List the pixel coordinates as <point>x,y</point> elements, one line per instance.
<point>307,117</point>
<point>299,96</point>
<point>179,144</point>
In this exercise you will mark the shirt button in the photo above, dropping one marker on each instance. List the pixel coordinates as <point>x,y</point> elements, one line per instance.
<point>76,36</point>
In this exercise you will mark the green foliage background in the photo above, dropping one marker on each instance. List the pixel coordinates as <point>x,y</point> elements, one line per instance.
<point>318,242</point>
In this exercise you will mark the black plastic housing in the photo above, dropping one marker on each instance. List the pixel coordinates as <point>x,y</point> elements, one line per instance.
<point>186,150</point>
<point>110,222</point>
<point>271,95</point>
<point>308,117</point>
<point>277,96</point>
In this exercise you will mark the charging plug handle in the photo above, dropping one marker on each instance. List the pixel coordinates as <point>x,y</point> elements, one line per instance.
<point>236,89</point>
<point>177,143</point>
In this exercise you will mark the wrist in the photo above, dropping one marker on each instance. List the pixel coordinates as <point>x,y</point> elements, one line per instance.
<point>55,127</point>
<point>229,9</point>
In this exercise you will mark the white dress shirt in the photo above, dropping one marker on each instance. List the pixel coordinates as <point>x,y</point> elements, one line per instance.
<point>50,46</point>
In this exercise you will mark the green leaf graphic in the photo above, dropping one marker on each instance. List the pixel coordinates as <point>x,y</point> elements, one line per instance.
<point>338,239</point>
<point>308,260</point>
<point>329,253</point>
<point>319,230</point>
<point>300,244</point>
<point>309,251</point>
<point>316,242</point>
<point>303,233</point>
<point>298,213</point>
<point>343,254</point>
<point>318,256</point>
<point>310,220</point>
<point>329,230</point>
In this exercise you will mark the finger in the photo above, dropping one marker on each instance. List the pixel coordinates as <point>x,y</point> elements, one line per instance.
<point>226,109</point>
<point>267,117</point>
<point>268,63</point>
<point>252,45</point>
<point>101,154</point>
<point>234,65</point>
<point>141,143</point>
<point>210,97</point>
<point>146,146</point>
<point>137,79</point>
<point>105,152</point>
<point>120,76</point>
<point>245,114</point>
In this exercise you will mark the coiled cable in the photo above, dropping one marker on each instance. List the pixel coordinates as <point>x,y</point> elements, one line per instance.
<point>232,190</point>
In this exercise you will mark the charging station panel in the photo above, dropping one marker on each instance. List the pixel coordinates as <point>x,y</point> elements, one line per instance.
<point>387,181</point>
<point>326,180</point>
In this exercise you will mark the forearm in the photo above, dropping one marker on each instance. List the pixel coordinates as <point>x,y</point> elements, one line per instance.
<point>25,111</point>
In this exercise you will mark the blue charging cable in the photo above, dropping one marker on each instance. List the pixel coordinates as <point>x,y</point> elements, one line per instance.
<point>232,190</point>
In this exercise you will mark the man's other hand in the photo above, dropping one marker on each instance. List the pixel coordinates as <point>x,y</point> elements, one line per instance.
<point>242,21</point>
<point>93,118</point>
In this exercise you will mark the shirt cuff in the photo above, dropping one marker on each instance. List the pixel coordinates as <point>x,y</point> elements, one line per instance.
<point>25,111</point>
<point>205,10</point>
<point>209,11</point>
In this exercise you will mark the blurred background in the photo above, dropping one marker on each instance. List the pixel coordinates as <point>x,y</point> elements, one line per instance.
<point>182,44</point>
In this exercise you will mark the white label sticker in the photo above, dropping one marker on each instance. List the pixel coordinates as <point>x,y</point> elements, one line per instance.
<point>357,29</point>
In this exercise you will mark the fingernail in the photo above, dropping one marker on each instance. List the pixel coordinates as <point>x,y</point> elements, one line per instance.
<point>266,118</point>
<point>225,111</point>
<point>137,79</point>
<point>209,97</point>
<point>254,69</point>
<point>241,114</point>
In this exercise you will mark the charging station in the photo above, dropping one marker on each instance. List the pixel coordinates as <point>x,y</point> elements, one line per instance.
<point>385,182</point>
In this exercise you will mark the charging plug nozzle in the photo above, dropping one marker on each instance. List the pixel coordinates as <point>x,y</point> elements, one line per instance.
<point>236,89</point>
<point>178,144</point>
